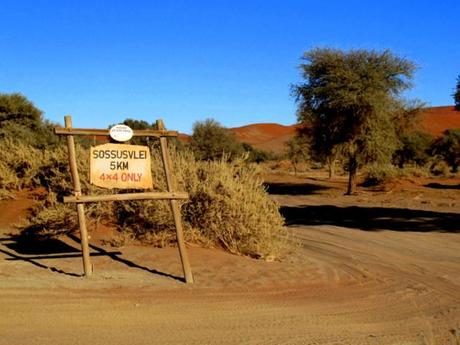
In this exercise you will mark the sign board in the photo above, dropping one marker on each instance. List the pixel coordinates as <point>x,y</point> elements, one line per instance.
<point>120,166</point>
<point>121,133</point>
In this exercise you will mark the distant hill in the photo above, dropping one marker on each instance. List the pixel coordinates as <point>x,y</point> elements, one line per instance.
<point>272,136</point>
<point>265,136</point>
<point>436,120</point>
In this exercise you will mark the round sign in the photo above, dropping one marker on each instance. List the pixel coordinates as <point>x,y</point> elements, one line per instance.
<point>121,133</point>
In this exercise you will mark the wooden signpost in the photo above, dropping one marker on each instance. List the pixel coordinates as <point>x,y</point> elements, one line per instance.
<point>123,166</point>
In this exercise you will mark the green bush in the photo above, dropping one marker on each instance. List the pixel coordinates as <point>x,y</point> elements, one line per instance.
<point>256,155</point>
<point>22,121</point>
<point>211,141</point>
<point>376,175</point>
<point>448,148</point>
<point>414,149</point>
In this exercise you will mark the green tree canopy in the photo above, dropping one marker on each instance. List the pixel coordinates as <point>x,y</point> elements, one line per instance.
<point>21,121</point>
<point>18,109</point>
<point>297,150</point>
<point>140,124</point>
<point>210,141</point>
<point>153,143</point>
<point>256,155</point>
<point>457,94</point>
<point>415,147</point>
<point>448,147</point>
<point>352,101</point>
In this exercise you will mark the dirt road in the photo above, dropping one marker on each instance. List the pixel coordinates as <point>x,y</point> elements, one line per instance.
<point>350,280</point>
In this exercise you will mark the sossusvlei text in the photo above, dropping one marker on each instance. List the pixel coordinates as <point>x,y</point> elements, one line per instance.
<point>119,154</point>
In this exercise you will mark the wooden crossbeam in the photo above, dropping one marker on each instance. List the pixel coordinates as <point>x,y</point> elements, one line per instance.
<point>127,196</point>
<point>105,132</point>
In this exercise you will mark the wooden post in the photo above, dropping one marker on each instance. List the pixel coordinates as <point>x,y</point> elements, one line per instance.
<point>171,183</point>
<point>80,207</point>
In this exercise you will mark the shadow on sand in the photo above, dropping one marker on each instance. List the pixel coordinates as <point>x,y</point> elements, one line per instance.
<point>115,256</point>
<point>373,218</point>
<point>442,186</point>
<point>294,188</point>
<point>32,249</point>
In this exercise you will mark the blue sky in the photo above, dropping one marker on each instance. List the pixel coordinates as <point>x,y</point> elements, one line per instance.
<point>184,61</point>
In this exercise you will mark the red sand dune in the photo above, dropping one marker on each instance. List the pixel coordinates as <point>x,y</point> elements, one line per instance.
<point>262,132</point>
<point>273,136</point>
<point>436,120</point>
<point>185,138</point>
<point>265,136</point>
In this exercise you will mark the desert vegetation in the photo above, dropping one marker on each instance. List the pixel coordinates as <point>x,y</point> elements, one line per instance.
<point>228,205</point>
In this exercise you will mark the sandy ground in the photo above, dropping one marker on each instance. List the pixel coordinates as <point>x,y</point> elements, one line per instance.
<point>382,267</point>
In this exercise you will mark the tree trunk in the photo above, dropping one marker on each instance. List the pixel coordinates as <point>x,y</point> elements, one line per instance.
<point>331,166</point>
<point>352,172</point>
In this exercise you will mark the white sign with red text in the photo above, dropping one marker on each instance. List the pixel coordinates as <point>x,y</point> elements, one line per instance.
<point>121,166</point>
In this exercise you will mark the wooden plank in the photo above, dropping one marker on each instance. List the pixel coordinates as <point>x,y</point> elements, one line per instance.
<point>105,132</point>
<point>80,207</point>
<point>127,196</point>
<point>175,208</point>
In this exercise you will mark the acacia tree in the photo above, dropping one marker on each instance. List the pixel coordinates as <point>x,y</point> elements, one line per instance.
<point>210,141</point>
<point>457,94</point>
<point>297,150</point>
<point>351,101</point>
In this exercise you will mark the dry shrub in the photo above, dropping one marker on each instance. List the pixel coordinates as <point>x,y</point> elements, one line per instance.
<point>8,181</point>
<point>51,219</point>
<point>228,205</point>
<point>414,171</point>
<point>440,168</point>
<point>375,175</point>
<point>24,166</point>
<point>279,166</point>
<point>18,165</point>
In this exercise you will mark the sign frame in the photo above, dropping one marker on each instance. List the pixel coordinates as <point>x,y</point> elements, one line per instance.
<point>171,194</point>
